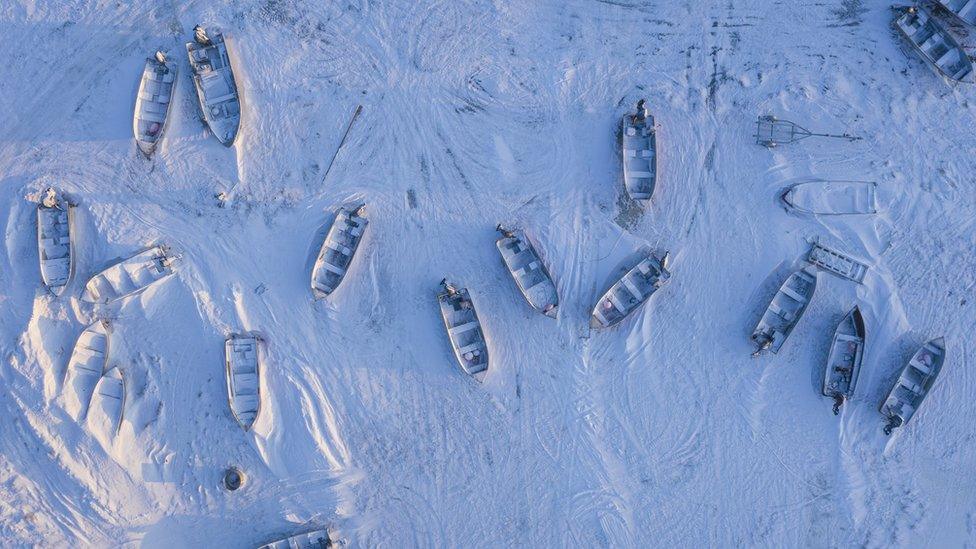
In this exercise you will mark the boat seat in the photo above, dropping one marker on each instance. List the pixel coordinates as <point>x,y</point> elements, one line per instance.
<point>947,58</point>
<point>621,307</point>
<point>641,174</point>
<point>221,99</point>
<point>338,247</point>
<point>461,328</point>
<point>793,294</point>
<point>968,9</point>
<point>150,116</point>
<point>921,367</point>
<point>910,386</point>
<point>599,316</point>
<point>476,346</point>
<point>528,268</point>
<point>245,384</point>
<point>633,289</point>
<point>332,268</point>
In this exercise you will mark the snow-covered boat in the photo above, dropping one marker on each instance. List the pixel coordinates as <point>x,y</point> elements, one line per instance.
<point>85,368</point>
<point>528,271</point>
<point>784,311</point>
<point>631,291</point>
<point>963,10</point>
<point>318,539</point>
<point>243,377</point>
<point>129,276</point>
<point>216,87</point>
<point>935,44</point>
<point>913,384</point>
<point>837,263</point>
<point>832,197</point>
<point>844,358</point>
<point>464,330</point>
<point>107,402</point>
<point>338,250</point>
<point>54,246</point>
<point>153,101</point>
<point>639,148</point>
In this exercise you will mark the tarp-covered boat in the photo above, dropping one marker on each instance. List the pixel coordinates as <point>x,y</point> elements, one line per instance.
<point>54,245</point>
<point>784,311</point>
<point>913,384</point>
<point>639,153</point>
<point>832,197</point>
<point>963,10</point>
<point>844,358</point>
<point>338,249</point>
<point>216,87</point>
<point>935,44</point>
<point>129,276</point>
<point>105,412</point>
<point>85,368</point>
<point>243,377</point>
<point>631,291</point>
<point>529,272</point>
<point>153,102</point>
<point>464,330</point>
<point>319,539</point>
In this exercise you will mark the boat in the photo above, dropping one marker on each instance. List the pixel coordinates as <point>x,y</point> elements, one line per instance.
<point>844,358</point>
<point>338,250</point>
<point>963,10</point>
<point>129,276</point>
<point>832,197</point>
<point>913,384</point>
<point>317,539</point>
<point>935,44</point>
<point>639,153</point>
<point>631,291</point>
<point>107,402</point>
<point>54,245</point>
<point>784,311</point>
<point>216,88</point>
<point>153,102</point>
<point>243,377</point>
<point>837,263</point>
<point>464,330</point>
<point>85,367</point>
<point>528,271</point>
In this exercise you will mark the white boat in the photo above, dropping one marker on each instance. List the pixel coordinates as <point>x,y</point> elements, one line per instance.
<point>936,44</point>
<point>844,358</point>
<point>784,311</point>
<point>832,197</point>
<point>913,384</point>
<point>107,402</point>
<point>639,149</point>
<point>529,272</point>
<point>631,291</point>
<point>464,330</point>
<point>318,539</point>
<point>241,352</point>
<point>129,276</point>
<point>54,245</point>
<point>963,10</point>
<point>153,102</point>
<point>85,368</point>
<point>213,78</point>
<point>338,250</point>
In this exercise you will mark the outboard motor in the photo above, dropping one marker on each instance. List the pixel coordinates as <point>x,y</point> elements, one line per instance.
<point>200,35</point>
<point>161,57</point>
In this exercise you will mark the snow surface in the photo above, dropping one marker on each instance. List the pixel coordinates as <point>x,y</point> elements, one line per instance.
<point>661,432</point>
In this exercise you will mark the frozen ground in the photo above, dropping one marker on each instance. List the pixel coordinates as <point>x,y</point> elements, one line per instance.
<point>662,431</point>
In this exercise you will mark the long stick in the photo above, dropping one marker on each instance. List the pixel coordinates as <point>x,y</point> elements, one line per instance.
<point>359,109</point>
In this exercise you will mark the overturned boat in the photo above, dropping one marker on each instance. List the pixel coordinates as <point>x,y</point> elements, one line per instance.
<point>832,197</point>
<point>837,263</point>
<point>153,102</point>
<point>913,384</point>
<point>844,359</point>
<point>639,153</point>
<point>129,276</point>
<point>528,271</point>
<point>935,44</point>
<point>338,250</point>
<point>784,311</point>
<point>243,377</point>
<point>107,402</point>
<point>631,291</point>
<point>54,245</point>
<point>963,10</point>
<point>318,539</point>
<point>216,87</point>
<point>85,368</point>
<point>464,330</point>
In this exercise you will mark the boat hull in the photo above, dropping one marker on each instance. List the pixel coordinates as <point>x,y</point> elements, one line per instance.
<point>844,358</point>
<point>784,311</point>
<point>914,383</point>
<point>529,272</point>
<point>464,332</point>
<point>631,292</point>
<point>639,150</point>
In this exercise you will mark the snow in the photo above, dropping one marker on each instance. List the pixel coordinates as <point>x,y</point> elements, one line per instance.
<point>661,431</point>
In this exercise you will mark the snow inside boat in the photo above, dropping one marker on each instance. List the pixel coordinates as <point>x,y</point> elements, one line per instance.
<point>528,271</point>
<point>338,250</point>
<point>129,276</point>
<point>464,330</point>
<point>844,358</point>
<point>833,197</point>
<point>105,411</point>
<point>631,291</point>
<point>243,377</point>
<point>153,102</point>
<point>963,10</point>
<point>216,87</point>
<point>54,246</point>
<point>935,44</point>
<point>784,311</point>
<point>318,539</point>
<point>85,368</point>
<point>913,384</point>
<point>639,153</point>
